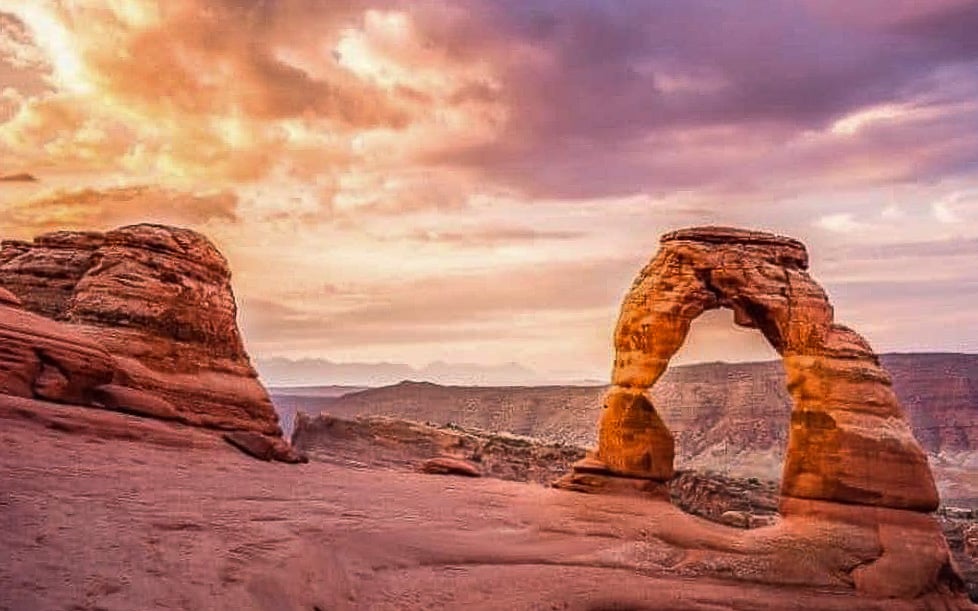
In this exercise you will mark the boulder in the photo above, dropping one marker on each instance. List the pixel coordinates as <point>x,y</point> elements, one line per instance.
<point>737,519</point>
<point>134,401</point>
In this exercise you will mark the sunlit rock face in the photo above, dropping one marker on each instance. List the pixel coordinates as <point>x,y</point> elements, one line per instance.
<point>150,304</point>
<point>852,461</point>
<point>849,441</point>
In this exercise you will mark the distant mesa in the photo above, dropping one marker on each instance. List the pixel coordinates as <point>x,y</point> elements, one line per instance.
<point>20,177</point>
<point>141,319</point>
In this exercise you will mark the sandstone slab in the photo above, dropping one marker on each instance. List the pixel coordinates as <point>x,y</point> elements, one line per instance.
<point>41,358</point>
<point>264,447</point>
<point>447,465</point>
<point>202,527</point>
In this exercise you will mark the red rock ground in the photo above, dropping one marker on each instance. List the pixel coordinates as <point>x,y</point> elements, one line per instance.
<point>100,510</point>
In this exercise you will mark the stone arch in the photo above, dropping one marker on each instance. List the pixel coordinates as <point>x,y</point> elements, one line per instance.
<point>849,441</point>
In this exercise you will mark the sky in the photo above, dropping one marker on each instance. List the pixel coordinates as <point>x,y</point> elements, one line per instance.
<point>479,181</point>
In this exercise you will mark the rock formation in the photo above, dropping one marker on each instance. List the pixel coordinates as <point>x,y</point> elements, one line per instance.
<point>389,443</point>
<point>849,441</point>
<point>849,444</point>
<point>47,360</point>
<point>140,319</point>
<point>447,465</point>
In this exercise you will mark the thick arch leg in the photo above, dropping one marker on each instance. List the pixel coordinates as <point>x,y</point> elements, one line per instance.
<point>849,441</point>
<point>632,438</point>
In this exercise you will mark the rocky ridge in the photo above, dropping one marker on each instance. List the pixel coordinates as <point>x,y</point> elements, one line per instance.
<point>730,417</point>
<point>392,443</point>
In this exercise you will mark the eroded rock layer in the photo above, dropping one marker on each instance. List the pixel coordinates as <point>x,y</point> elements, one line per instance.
<point>140,319</point>
<point>849,441</point>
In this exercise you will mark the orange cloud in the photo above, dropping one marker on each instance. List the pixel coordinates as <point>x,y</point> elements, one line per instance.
<point>200,91</point>
<point>104,209</point>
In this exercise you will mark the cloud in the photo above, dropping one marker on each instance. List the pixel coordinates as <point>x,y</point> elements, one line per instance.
<point>491,236</point>
<point>842,222</point>
<point>17,49</point>
<point>198,91</point>
<point>21,177</point>
<point>959,247</point>
<point>662,102</point>
<point>497,305</point>
<point>108,208</point>
<point>955,207</point>
<point>568,100</point>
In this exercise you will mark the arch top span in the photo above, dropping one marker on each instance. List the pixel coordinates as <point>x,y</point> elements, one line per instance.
<point>849,440</point>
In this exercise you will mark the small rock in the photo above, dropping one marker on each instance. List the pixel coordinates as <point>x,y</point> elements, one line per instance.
<point>444,465</point>
<point>51,383</point>
<point>971,541</point>
<point>264,447</point>
<point>958,513</point>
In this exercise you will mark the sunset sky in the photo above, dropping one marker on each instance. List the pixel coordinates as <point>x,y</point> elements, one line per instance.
<point>480,180</point>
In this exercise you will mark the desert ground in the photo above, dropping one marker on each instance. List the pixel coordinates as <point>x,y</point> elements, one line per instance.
<point>112,512</point>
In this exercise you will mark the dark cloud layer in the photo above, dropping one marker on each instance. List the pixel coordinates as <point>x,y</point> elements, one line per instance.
<point>627,83</point>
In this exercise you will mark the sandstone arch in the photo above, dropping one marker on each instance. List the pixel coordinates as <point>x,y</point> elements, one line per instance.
<point>849,441</point>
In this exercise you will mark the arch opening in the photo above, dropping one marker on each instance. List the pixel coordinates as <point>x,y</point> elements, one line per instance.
<point>724,399</point>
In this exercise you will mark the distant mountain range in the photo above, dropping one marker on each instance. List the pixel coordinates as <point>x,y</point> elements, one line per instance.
<point>314,372</point>
<point>728,417</point>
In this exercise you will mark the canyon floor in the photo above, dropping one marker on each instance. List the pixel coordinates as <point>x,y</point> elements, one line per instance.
<point>104,511</point>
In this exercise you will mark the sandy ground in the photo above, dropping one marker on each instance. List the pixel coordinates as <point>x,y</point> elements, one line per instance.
<point>175,519</point>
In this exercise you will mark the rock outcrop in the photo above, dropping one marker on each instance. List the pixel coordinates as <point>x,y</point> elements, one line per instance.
<point>47,360</point>
<point>446,465</point>
<point>390,443</point>
<point>141,319</point>
<point>849,441</point>
<point>851,456</point>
